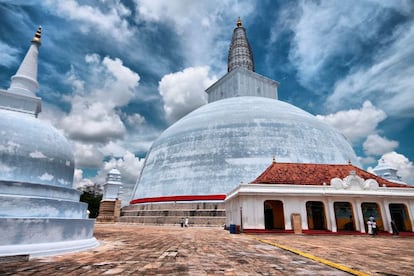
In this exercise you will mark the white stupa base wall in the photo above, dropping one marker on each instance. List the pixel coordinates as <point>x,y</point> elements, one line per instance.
<point>45,236</point>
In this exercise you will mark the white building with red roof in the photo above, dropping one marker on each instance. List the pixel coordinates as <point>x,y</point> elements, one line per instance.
<point>319,197</point>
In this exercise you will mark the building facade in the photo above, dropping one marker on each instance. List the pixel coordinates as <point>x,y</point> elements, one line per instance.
<point>320,197</point>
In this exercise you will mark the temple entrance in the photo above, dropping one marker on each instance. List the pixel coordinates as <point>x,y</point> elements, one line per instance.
<point>399,214</point>
<point>316,215</point>
<point>344,216</point>
<point>371,209</point>
<point>274,215</point>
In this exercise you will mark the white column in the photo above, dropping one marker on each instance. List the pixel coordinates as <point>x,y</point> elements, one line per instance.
<point>359,217</point>
<point>326,214</point>
<point>387,215</point>
<point>286,214</point>
<point>304,216</point>
<point>331,215</point>
<point>383,211</point>
<point>410,209</point>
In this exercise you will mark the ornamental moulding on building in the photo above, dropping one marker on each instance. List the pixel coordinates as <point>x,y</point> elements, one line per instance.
<point>354,182</point>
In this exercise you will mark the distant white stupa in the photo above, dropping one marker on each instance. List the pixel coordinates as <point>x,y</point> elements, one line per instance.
<point>387,171</point>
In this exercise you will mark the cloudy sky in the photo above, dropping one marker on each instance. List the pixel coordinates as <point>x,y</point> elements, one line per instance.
<point>114,74</point>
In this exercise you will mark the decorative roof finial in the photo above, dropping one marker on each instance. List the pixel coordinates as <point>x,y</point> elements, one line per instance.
<point>274,159</point>
<point>37,36</point>
<point>349,162</point>
<point>239,22</point>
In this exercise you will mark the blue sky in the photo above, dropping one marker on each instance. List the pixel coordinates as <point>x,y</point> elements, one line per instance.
<point>114,74</point>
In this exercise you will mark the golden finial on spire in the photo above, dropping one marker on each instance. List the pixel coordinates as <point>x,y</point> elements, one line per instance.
<point>239,23</point>
<point>37,36</point>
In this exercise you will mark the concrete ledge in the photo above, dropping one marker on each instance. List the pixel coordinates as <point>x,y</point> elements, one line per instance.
<point>12,206</point>
<point>38,190</point>
<point>47,249</point>
<point>27,231</point>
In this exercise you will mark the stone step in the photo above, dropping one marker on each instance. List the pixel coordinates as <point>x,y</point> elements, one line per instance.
<point>176,206</point>
<point>172,220</point>
<point>109,211</point>
<point>177,213</point>
<point>106,218</point>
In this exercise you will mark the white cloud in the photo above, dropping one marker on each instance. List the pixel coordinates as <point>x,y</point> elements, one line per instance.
<point>111,21</point>
<point>113,149</point>
<point>133,120</point>
<point>94,116</point>
<point>377,145</point>
<point>387,82</point>
<point>79,181</point>
<point>404,166</point>
<point>183,91</point>
<point>206,43</point>
<point>141,138</point>
<point>8,55</point>
<point>124,81</point>
<point>87,155</point>
<point>356,123</point>
<point>366,161</point>
<point>335,32</point>
<point>92,122</point>
<point>78,85</point>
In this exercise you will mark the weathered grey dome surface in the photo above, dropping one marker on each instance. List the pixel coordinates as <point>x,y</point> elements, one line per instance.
<point>212,149</point>
<point>32,151</point>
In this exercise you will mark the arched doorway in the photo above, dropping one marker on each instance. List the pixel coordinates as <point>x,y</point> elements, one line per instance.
<point>344,216</point>
<point>371,209</point>
<point>316,215</point>
<point>400,216</point>
<point>274,215</point>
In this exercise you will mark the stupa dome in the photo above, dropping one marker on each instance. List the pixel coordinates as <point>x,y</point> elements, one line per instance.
<point>32,151</point>
<point>211,150</point>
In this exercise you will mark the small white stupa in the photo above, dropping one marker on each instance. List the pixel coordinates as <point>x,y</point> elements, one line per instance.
<point>113,185</point>
<point>387,171</point>
<point>110,207</point>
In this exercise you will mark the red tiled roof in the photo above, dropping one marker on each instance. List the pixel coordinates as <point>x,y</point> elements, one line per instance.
<point>315,174</point>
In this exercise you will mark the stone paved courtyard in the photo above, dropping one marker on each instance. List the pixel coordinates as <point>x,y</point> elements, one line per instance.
<point>153,250</point>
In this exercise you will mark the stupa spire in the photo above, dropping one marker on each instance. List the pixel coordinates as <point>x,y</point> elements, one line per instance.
<point>240,53</point>
<point>24,82</point>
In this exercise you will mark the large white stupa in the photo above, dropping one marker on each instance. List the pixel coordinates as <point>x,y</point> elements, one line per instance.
<point>40,212</point>
<point>233,138</point>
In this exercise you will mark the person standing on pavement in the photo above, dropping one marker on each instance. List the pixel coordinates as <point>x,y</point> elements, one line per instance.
<point>369,224</point>
<point>186,222</point>
<point>374,227</point>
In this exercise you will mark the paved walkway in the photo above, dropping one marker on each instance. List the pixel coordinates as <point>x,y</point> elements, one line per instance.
<point>150,250</point>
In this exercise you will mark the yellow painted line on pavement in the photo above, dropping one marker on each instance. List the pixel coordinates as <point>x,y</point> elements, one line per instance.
<point>312,257</point>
